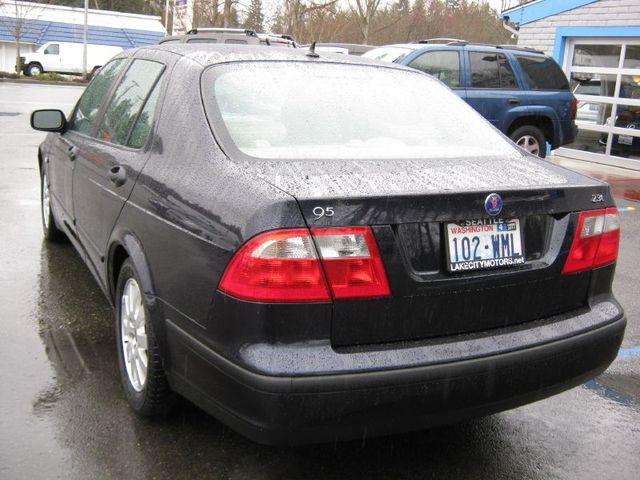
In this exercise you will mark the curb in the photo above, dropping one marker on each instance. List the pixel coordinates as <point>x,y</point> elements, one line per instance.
<point>41,82</point>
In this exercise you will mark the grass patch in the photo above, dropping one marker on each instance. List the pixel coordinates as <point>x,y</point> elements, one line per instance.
<point>46,77</point>
<point>50,77</point>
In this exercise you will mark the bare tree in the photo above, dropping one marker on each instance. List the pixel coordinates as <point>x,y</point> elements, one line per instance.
<point>364,10</point>
<point>19,23</point>
<point>295,14</point>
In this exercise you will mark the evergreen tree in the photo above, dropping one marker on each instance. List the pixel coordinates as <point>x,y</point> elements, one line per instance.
<point>255,17</point>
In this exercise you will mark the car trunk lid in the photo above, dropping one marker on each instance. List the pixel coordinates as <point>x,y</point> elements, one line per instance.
<point>408,204</point>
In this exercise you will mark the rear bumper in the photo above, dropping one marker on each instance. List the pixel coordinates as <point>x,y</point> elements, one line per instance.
<point>317,408</point>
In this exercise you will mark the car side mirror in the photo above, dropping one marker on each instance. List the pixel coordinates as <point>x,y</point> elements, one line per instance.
<point>48,120</point>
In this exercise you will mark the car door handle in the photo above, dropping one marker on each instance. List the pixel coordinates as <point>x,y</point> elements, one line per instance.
<point>117,175</point>
<point>514,101</point>
<point>71,152</point>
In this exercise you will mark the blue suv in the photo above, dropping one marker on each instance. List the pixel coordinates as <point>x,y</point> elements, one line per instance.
<point>521,91</point>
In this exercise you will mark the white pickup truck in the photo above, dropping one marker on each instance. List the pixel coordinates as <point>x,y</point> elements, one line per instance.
<point>65,57</point>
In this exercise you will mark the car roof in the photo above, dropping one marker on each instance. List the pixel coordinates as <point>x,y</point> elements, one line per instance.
<point>211,54</point>
<point>475,46</point>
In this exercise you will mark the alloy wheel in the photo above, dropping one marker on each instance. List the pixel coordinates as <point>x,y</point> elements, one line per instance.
<point>133,332</point>
<point>529,143</point>
<point>46,200</point>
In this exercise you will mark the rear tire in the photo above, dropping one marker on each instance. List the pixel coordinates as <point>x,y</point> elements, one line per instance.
<point>49,228</point>
<point>141,371</point>
<point>531,139</point>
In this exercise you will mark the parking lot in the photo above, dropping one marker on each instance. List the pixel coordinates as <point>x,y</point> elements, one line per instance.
<point>63,415</point>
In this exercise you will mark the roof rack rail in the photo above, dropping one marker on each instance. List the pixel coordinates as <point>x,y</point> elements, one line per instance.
<point>245,31</point>
<point>446,41</point>
<point>520,47</point>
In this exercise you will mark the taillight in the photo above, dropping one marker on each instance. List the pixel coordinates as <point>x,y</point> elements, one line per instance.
<point>595,242</point>
<point>574,108</point>
<point>291,266</point>
<point>352,262</point>
<point>277,266</point>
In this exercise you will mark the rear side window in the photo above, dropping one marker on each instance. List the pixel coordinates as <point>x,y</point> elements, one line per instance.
<point>128,101</point>
<point>507,77</point>
<point>142,128</point>
<point>86,113</point>
<point>491,70</point>
<point>543,73</point>
<point>235,41</point>
<point>444,65</point>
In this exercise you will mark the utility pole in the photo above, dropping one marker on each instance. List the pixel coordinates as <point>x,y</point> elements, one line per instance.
<point>86,34</point>
<point>166,16</point>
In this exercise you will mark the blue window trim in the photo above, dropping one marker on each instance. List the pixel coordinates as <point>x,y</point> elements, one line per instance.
<point>532,12</point>
<point>563,33</point>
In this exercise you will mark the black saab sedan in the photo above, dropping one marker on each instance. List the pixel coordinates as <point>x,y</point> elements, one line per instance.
<point>314,248</point>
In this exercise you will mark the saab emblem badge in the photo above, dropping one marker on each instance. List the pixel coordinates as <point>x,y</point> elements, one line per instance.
<point>493,204</point>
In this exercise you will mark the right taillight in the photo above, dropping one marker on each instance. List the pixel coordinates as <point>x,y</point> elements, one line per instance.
<point>595,242</point>
<point>574,108</point>
<point>298,265</point>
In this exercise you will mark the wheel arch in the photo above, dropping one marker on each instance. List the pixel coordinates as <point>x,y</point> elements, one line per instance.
<point>538,119</point>
<point>120,249</point>
<point>34,63</point>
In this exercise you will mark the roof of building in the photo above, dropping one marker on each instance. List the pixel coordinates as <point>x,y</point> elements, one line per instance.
<point>537,10</point>
<point>51,23</point>
<point>462,43</point>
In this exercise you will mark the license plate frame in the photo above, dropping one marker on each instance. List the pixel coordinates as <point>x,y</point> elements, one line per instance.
<point>625,139</point>
<point>510,240</point>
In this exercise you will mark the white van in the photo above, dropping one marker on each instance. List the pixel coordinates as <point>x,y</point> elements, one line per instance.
<point>65,57</point>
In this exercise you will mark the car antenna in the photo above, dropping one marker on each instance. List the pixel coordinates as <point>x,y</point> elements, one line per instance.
<point>312,51</point>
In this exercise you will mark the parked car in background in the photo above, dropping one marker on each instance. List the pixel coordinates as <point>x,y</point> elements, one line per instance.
<point>350,48</point>
<point>320,48</point>
<point>65,57</point>
<point>231,36</point>
<point>521,91</point>
<point>308,273</point>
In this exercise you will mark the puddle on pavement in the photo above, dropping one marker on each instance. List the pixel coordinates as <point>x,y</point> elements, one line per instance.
<point>623,187</point>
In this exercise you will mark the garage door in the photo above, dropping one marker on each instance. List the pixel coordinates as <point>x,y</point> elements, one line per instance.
<point>605,78</point>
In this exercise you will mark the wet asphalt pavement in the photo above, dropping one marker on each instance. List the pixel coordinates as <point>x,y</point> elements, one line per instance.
<point>63,415</point>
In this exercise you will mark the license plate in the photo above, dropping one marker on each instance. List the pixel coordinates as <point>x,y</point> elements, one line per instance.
<point>483,244</point>
<point>625,139</point>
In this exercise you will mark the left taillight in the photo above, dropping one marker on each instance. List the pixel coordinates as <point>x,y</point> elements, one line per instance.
<point>596,241</point>
<point>298,265</point>
<point>277,266</point>
<point>352,262</point>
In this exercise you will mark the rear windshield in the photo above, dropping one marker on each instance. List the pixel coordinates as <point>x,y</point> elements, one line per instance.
<point>543,73</point>
<point>302,110</point>
<point>388,54</point>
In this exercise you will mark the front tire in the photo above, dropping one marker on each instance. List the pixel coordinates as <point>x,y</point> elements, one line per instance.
<point>49,228</point>
<point>531,139</point>
<point>141,371</point>
<point>34,69</point>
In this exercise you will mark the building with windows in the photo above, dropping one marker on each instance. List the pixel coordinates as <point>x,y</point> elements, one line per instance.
<point>597,43</point>
<point>40,23</point>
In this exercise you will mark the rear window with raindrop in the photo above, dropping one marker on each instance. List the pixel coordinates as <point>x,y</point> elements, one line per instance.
<point>304,110</point>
